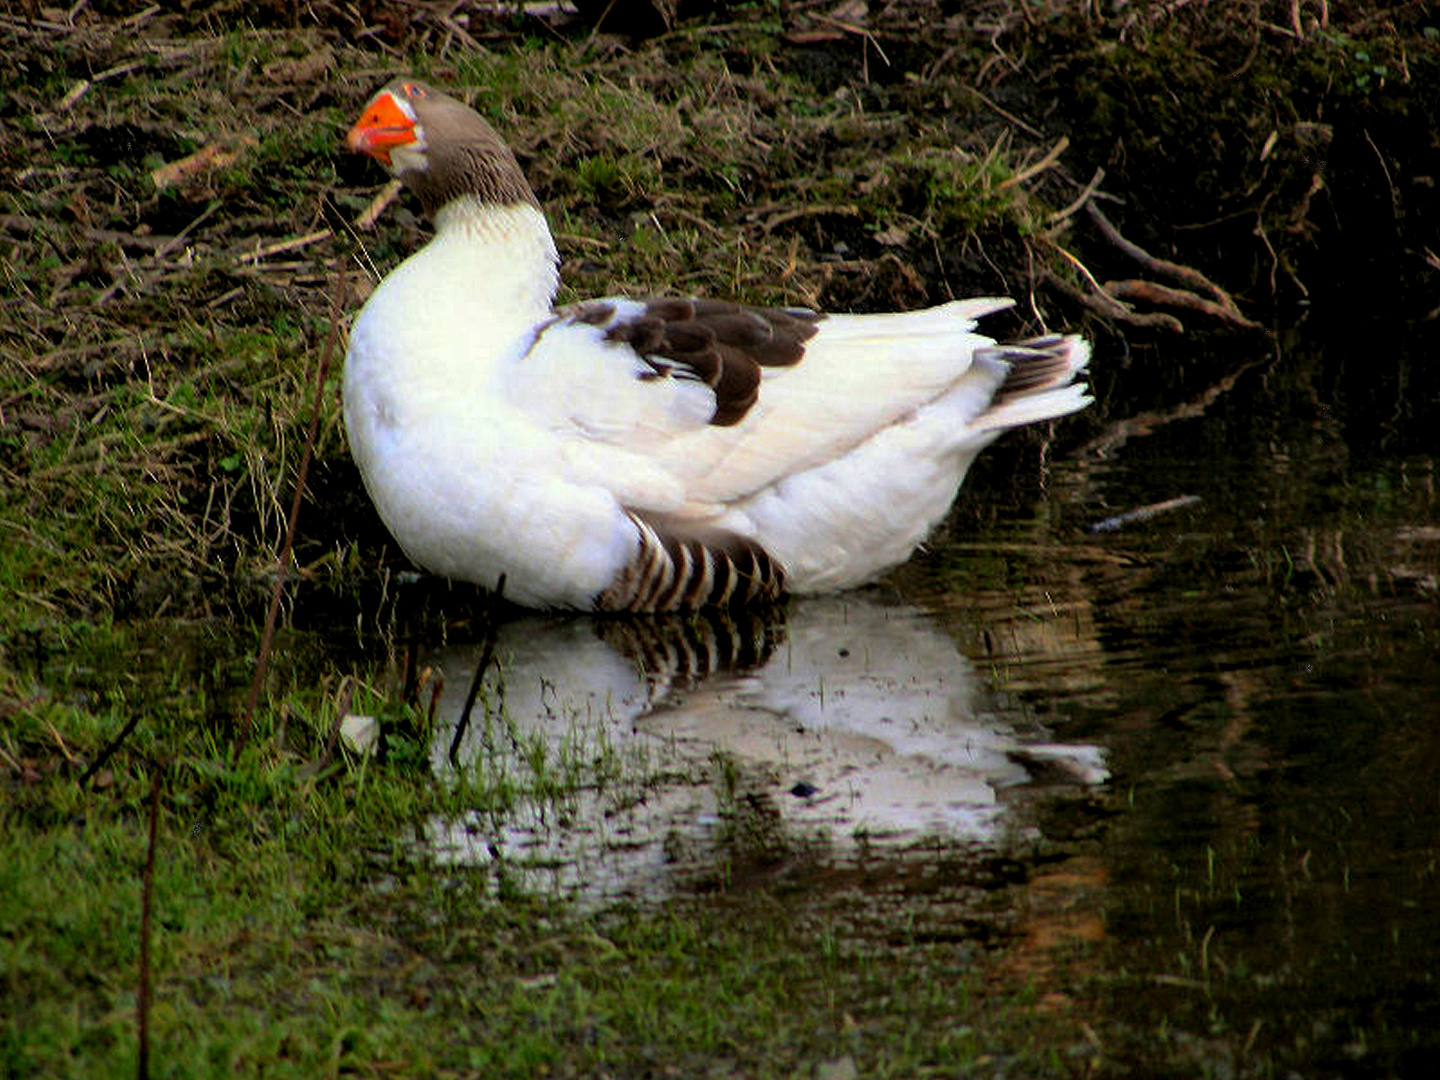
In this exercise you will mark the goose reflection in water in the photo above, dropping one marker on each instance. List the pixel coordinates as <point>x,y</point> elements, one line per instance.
<point>631,753</point>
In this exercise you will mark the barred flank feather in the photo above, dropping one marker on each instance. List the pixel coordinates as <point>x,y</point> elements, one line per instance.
<point>672,571</point>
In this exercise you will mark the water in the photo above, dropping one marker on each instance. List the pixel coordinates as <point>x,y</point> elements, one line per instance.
<point>1261,669</point>
<point>1180,776</point>
<point>850,725</point>
<point>1241,696</point>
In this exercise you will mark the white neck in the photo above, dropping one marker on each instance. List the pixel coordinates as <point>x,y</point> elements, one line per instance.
<point>502,256</point>
<point>451,312</point>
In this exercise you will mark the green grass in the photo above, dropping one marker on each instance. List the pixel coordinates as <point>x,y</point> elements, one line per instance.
<point>301,929</point>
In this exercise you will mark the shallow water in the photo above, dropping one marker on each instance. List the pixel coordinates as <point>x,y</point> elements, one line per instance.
<point>1178,775</point>
<point>1246,685</point>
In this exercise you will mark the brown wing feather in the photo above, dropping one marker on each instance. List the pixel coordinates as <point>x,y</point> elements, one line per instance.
<point>721,344</point>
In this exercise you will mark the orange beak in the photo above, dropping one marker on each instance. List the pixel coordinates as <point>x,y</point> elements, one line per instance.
<point>382,127</point>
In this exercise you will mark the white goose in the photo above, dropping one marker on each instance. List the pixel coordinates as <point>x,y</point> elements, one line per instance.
<point>649,454</point>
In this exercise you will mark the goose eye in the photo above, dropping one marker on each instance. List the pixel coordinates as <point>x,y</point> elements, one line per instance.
<point>414,91</point>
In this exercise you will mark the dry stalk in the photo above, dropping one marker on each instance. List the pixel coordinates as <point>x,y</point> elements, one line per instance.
<point>1029,129</point>
<point>1040,166</point>
<point>492,634</point>
<point>282,246</point>
<point>332,739</point>
<point>262,661</point>
<point>147,897</point>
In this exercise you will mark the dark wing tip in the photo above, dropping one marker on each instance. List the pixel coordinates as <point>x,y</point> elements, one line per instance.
<point>1035,365</point>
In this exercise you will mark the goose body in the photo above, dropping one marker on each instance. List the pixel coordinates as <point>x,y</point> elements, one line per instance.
<point>649,454</point>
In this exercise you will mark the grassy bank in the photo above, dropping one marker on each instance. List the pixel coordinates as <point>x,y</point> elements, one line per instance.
<point>181,206</point>
<point>301,926</point>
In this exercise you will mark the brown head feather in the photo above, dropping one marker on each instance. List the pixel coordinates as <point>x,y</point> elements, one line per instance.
<point>464,155</point>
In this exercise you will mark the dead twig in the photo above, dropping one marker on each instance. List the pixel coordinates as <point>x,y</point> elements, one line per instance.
<point>282,246</point>
<point>109,751</point>
<point>147,897</point>
<point>1142,513</point>
<point>179,238</point>
<point>770,224</point>
<point>851,28</point>
<point>70,758</point>
<point>1029,129</point>
<point>81,88</point>
<point>667,209</point>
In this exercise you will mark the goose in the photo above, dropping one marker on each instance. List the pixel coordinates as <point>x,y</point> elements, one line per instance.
<point>652,454</point>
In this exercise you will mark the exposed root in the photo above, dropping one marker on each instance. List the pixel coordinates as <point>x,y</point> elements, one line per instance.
<point>1100,301</point>
<point>1111,299</point>
<point>1105,305</point>
<point>1165,295</point>
<point>1222,306</point>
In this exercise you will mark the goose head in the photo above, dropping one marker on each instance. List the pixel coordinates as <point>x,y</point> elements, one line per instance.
<point>438,147</point>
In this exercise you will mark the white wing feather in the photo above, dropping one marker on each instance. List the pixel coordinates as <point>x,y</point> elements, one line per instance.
<point>649,439</point>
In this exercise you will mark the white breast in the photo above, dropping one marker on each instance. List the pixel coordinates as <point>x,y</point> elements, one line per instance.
<point>469,485</point>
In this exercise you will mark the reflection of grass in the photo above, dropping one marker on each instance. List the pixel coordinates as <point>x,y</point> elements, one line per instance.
<point>300,929</point>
